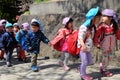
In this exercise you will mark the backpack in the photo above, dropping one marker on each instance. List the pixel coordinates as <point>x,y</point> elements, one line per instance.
<point>72,43</point>
<point>118,34</point>
<point>61,45</point>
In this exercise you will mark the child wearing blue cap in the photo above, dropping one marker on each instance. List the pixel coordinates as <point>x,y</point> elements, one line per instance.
<point>33,39</point>
<point>8,43</point>
<point>85,36</point>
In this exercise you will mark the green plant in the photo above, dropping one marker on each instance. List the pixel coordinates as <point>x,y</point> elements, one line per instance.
<point>38,1</point>
<point>27,13</point>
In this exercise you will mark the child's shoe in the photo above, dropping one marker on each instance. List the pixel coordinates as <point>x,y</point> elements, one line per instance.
<point>34,68</point>
<point>66,68</point>
<point>25,60</point>
<point>107,74</point>
<point>86,77</point>
<point>9,64</point>
<point>61,63</point>
<point>101,70</point>
<point>20,59</point>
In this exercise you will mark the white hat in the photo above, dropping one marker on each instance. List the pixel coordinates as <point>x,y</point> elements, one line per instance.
<point>65,20</point>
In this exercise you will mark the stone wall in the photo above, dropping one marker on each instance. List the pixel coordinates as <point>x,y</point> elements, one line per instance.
<point>72,6</point>
<point>51,14</point>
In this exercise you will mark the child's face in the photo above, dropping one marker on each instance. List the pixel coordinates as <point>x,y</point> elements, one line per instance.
<point>96,20</point>
<point>15,29</point>
<point>35,28</point>
<point>106,19</point>
<point>10,29</point>
<point>24,29</point>
<point>1,28</point>
<point>70,25</point>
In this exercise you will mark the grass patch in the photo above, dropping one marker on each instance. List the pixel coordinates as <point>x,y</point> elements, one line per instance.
<point>27,13</point>
<point>39,1</point>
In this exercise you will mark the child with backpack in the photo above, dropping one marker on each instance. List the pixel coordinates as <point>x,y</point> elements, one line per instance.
<point>85,36</point>
<point>21,38</point>
<point>105,39</point>
<point>33,39</point>
<point>8,42</point>
<point>2,31</point>
<point>60,41</point>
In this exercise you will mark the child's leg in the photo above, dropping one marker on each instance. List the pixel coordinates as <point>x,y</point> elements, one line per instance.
<point>18,53</point>
<point>89,56</point>
<point>66,57</point>
<point>1,54</point>
<point>105,62</point>
<point>66,54</point>
<point>61,59</point>
<point>103,68</point>
<point>84,63</point>
<point>8,56</point>
<point>22,53</point>
<point>34,59</point>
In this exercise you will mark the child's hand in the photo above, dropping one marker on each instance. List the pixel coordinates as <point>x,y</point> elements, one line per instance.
<point>3,49</point>
<point>98,46</point>
<point>49,44</point>
<point>84,48</point>
<point>30,48</point>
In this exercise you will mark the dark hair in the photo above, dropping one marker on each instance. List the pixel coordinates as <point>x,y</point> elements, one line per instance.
<point>35,24</point>
<point>16,26</point>
<point>71,20</point>
<point>115,25</point>
<point>98,13</point>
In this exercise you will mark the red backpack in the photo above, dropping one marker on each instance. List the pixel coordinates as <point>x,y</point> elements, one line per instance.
<point>72,43</point>
<point>118,34</point>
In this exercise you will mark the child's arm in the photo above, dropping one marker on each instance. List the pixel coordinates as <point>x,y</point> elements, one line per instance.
<point>98,32</point>
<point>27,42</point>
<point>44,38</point>
<point>81,37</point>
<point>3,41</point>
<point>17,37</point>
<point>58,37</point>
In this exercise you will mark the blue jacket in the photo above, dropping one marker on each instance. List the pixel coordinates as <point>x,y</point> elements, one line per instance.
<point>1,34</point>
<point>8,41</point>
<point>21,38</point>
<point>33,41</point>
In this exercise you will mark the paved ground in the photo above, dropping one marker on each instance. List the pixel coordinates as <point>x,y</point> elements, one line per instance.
<point>50,70</point>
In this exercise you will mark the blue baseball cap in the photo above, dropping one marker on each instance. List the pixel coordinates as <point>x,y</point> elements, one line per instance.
<point>8,25</point>
<point>90,15</point>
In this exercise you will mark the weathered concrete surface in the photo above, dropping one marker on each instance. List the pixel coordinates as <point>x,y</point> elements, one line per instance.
<point>72,6</point>
<point>50,70</point>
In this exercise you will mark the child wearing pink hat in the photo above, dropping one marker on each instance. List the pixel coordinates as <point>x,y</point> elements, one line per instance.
<point>105,38</point>
<point>60,41</point>
<point>2,31</point>
<point>21,38</point>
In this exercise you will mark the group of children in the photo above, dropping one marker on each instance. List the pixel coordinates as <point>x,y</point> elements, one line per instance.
<point>99,29</point>
<point>23,39</point>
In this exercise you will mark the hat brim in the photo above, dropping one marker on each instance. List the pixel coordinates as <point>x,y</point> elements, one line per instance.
<point>87,22</point>
<point>9,27</point>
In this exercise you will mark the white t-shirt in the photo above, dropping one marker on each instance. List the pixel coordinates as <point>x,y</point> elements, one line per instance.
<point>82,35</point>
